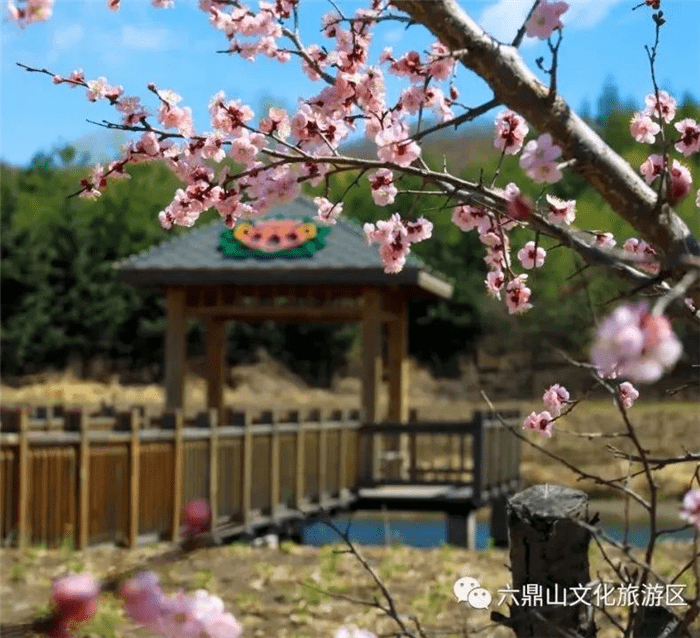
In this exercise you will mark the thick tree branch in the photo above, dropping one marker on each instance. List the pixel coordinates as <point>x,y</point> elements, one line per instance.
<point>517,87</point>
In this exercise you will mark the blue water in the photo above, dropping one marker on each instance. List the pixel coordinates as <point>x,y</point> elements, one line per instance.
<point>431,533</point>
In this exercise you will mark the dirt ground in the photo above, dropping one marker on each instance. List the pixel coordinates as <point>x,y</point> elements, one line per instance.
<point>296,592</point>
<point>279,592</point>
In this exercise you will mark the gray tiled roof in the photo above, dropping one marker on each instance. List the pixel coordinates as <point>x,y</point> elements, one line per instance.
<point>194,258</point>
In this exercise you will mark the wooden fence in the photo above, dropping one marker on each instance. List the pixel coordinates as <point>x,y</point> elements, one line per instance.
<point>115,478</point>
<point>481,453</point>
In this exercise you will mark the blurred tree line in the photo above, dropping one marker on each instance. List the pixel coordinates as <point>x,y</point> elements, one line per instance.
<point>61,297</point>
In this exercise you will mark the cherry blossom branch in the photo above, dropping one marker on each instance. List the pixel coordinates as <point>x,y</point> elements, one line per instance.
<point>456,122</point>
<point>515,86</point>
<point>658,461</point>
<point>581,473</point>
<point>390,608</point>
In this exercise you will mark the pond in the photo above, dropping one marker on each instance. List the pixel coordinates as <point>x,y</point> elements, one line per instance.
<point>368,528</point>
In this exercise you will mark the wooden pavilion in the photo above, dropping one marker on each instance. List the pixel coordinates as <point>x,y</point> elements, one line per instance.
<point>283,268</point>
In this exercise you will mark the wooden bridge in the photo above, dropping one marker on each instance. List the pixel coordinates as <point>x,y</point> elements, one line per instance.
<point>124,477</point>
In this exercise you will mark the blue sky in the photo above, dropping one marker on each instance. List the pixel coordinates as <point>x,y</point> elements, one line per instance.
<point>175,48</point>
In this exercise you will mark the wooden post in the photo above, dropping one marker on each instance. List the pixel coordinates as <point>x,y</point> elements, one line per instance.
<point>478,460</point>
<point>247,469</point>
<point>322,457</point>
<point>216,357</point>
<point>461,529</point>
<point>499,521</point>
<point>174,420</point>
<point>134,473</point>
<point>550,551</point>
<point>23,478</point>
<point>77,420</point>
<point>175,348</point>
<point>275,467</point>
<point>213,419</point>
<point>301,464</point>
<point>398,377</point>
<point>343,455</point>
<point>372,369</point>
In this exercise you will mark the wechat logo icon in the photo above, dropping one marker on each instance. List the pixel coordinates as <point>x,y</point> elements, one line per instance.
<point>468,590</point>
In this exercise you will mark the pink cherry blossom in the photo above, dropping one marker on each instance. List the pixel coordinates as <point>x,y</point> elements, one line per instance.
<point>542,422</point>
<point>511,131</point>
<point>681,181</point>
<point>197,516</point>
<point>276,123</point>
<point>627,394</point>
<point>440,61</point>
<point>201,615</point>
<point>176,117</point>
<point>555,397</point>
<point>97,89</point>
<point>605,240</point>
<point>537,160</point>
<point>560,211</point>
<point>644,129</point>
<point>691,508</point>
<point>652,167</point>
<point>665,108</point>
<point>383,189</point>
<point>634,344</point>
<point>467,218</point>
<point>393,146</point>
<point>395,237</point>
<point>697,198</point>
<point>142,598</point>
<point>327,211</point>
<point>649,258</point>
<point>229,116</point>
<point>75,597</point>
<point>495,280</point>
<point>33,11</point>
<point>518,295</point>
<point>690,136</point>
<point>545,19</point>
<point>531,257</point>
<point>419,230</point>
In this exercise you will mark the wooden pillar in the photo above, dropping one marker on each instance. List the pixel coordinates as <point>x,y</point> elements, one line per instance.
<point>461,529</point>
<point>134,422</point>
<point>23,486</point>
<point>499,521</point>
<point>548,548</point>
<point>216,357</point>
<point>372,369</point>
<point>398,358</point>
<point>300,491</point>
<point>398,377</point>
<point>174,420</point>
<point>213,419</point>
<point>175,348</point>
<point>275,470</point>
<point>77,421</point>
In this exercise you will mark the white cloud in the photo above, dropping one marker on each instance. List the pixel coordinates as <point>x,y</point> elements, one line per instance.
<point>146,39</point>
<point>504,18</point>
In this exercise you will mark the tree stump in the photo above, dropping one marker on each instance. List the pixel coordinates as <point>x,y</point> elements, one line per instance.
<point>549,556</point>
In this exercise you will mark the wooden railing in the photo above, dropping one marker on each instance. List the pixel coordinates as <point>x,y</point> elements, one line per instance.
<point>114,478</point>
<point>482,453</point>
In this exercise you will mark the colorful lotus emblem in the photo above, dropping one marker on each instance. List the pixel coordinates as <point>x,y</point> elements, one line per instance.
<point>273,238</point>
